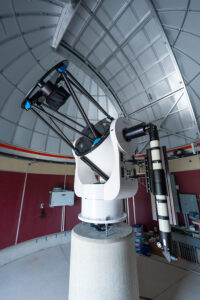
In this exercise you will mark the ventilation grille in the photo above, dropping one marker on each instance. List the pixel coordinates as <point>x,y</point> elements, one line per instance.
<point>184,251</point>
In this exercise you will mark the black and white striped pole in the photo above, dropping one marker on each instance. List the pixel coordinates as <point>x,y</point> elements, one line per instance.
<point>158,183</point>
<point>160,192</point>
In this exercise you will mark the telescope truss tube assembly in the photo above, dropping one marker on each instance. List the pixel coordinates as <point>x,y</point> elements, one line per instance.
<point>103,259</point>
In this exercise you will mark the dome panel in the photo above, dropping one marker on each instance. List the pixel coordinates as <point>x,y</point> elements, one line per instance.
<point>118,36</point>
<point>64,148</point>
<point>136,102</point>
<point>137,43</point>
<point>195,4</point>
<point>126,27</point>
<point>172,18</point>
<point>53,145</point>
<point>39,36</point>
<point>19,68</point>
<point>8,29</point>
<point>22,137</point>
<point>32,76</point>
<point>172,34</point>
<point>140,7</point>
<point>195,101</point>
<point>77,24</point>
<point>191,23</point>
<point>92,113</point>
<point>24,6</point>
<point>7,8</point>
<point>38,141</point>
<point>6,51</point>
<point>6,89</point>
<point>195,84</point>
<point>113,7</point>
<point>27,120</point>
<point>152,30</point>
<point>41,127</point>
<point>50,60</point>
<point>11,109</point>
<point>7,130</point>
<point>189,68</point>
<point>171,4</point>
<point>173,139</point>
<point>29,22</point>
<point>42,51</point>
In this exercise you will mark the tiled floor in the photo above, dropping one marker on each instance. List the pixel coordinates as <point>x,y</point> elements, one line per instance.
<point>44,275</point>
<point>162,281</point>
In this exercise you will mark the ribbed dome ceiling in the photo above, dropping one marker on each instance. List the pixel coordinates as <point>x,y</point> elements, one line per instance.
<point>121,46</point>
<point>181,22</point>
<point>27,28</point>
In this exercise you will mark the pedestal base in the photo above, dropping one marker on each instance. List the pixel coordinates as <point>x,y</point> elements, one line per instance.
<point>103,267</point>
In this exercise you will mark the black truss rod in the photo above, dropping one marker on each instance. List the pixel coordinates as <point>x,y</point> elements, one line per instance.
<point>68,84</point>
<point>58,128</point>
<point>67,141</point>
<point>96,169</point>
<point>62,122</point>
<point>63,115</point>
<point>85,92</point>
<point>62,136</point>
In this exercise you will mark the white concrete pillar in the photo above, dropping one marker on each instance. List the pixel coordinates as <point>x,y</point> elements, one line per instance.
<point>103,268</point>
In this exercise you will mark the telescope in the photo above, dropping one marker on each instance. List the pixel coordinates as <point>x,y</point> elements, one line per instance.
<point>105,174</point>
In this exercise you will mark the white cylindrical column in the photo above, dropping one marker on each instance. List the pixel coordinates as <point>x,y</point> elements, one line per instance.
<point>103,268</point>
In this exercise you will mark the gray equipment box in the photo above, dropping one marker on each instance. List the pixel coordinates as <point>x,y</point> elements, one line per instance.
<point>189,203</point>
<point>60,197</point>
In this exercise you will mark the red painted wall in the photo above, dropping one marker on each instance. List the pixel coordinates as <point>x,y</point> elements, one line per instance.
<point>37,192</point>
<point>143,208</point>
<point>189,183</point>
<point>11,186</point>
<point>32,224</point>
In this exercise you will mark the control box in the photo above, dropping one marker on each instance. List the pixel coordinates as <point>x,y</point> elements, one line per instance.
<point>61,197</point>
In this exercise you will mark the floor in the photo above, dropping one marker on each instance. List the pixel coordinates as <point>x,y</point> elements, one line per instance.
<point>44,275</point>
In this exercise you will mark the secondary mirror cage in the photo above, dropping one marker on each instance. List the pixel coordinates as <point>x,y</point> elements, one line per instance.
<point>49,94</point>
